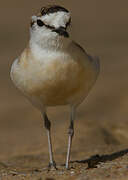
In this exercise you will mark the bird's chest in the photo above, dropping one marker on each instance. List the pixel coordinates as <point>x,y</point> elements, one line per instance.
<point>46,74</point>
<point>52,80</point>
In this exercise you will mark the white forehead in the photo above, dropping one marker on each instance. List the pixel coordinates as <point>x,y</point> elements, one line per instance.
<point>56,19</point>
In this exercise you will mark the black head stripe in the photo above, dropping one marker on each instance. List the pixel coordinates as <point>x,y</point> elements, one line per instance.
<point>52,9</point>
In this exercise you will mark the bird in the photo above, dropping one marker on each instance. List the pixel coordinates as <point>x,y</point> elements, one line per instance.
<point>54,70</point>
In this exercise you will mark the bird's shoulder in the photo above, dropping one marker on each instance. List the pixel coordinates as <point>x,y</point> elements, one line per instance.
<point>95,60</point>
<point>79,47</point>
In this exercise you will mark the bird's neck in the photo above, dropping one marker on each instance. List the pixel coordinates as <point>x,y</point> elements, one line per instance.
<point>47,43</point>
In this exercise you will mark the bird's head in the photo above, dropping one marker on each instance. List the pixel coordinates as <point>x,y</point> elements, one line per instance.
<point>52,23</point>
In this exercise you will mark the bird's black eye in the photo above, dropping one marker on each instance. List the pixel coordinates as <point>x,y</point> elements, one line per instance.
<point>40,23</point>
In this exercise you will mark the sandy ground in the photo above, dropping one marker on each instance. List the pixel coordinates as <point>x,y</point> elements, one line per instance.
<point>100,144</point>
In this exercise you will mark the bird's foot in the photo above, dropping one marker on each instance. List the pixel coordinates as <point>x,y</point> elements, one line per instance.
<point>69,168</point>
<point>52,166</point>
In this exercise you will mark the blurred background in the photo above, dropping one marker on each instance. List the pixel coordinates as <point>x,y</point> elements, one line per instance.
<point>101,126</point>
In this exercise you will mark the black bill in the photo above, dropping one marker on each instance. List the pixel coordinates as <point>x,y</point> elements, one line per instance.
<point>61,31</point>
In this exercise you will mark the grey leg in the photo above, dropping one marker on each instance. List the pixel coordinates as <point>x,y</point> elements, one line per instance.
<point>47,125</point>
<point>71,133</point>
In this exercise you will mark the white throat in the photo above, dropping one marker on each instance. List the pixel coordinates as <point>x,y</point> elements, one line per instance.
<point>49,41</point>
<point>48,45</point>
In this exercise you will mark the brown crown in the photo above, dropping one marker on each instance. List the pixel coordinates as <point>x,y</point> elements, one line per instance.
<point>52,9</point>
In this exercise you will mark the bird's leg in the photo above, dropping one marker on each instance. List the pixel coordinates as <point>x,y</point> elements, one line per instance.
<point>47,125</point>
<point>71,133</point>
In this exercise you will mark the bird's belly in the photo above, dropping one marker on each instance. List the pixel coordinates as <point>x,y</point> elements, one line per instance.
<point>55,83</point>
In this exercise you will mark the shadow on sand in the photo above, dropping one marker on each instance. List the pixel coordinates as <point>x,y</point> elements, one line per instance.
<point>93,161</point>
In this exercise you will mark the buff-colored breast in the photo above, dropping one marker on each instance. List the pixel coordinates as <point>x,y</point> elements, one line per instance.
<point>55,81</point>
